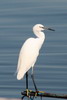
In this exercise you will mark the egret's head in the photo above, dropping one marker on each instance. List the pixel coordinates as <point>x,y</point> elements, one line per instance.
<point>40,27</point>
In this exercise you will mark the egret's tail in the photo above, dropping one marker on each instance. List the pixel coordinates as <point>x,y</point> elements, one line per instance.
<point>20,75</point>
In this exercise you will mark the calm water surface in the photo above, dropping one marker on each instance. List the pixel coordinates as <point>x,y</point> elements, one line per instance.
<point>17,18</point>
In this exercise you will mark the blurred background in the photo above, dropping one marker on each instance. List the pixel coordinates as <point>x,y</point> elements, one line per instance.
<point>17,18</point>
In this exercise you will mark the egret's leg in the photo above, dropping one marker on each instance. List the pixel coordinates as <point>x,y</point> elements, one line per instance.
<point>32,76</point>
<point>27,82</point>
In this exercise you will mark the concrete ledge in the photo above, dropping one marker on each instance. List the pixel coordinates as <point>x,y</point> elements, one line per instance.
<point>9,99</point>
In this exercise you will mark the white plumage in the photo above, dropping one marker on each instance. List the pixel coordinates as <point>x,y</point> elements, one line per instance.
<point>30,51</point>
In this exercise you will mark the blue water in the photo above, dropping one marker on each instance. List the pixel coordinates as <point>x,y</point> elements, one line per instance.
<point>17,18</point>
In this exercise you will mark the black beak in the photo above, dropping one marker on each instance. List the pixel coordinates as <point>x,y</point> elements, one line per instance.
<point>46,28</point>
<point>50,29</point>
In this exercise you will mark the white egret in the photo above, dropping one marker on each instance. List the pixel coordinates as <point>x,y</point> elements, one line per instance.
<point>30,51</point>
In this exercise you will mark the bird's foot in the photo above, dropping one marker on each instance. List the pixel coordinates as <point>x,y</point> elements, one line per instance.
<point>27,92</point>
<point>30,91</point>
<point>36,93</point>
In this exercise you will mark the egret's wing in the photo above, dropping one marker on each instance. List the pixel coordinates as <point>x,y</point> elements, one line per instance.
<point>27,57</point>
<point>19,62</point>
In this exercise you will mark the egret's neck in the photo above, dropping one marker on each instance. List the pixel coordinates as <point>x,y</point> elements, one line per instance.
<point>40,35</point>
